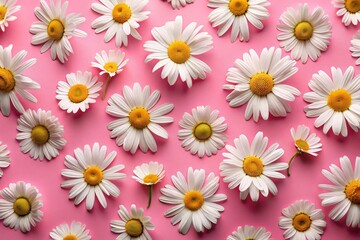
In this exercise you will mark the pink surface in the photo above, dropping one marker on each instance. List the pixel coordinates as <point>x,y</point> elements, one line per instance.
<point>90,127</point>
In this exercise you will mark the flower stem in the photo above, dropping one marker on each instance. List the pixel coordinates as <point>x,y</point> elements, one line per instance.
<point>106,87</point>
<point>150,195</point>
<point>290,161</point>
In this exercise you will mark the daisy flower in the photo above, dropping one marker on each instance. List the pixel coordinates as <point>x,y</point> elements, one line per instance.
<point>90,175</point>
<point>303,33</point>
<point>258,80</point>
<point>237,14</point>
<point>179,3</point>
<point>55,29</point>
<point>12,80</point>
<point>249,166</point>
<point>133,224</point>
<point>349,10</point>
<point>137,118</point>
<point>111,64</point>
<point>334,101</point>
<point>20,206</point>
<point>176,49</point>
<point>76,231</point>
<point>40,133</point>
<point>203,131</point>
<point>250,232</point>
<point>344,193</point>
<point>149,174</point>
<point>194,199</point>
<point>7,9</point>
<point>78,91</point>
<point>302,221</point>
<point>120,18</point>
<point>4,158</point>
<point>355,47</point>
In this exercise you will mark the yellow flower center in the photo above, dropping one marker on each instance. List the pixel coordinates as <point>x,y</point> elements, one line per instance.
<point>352,191</point>
<point>303,31</point>
<point>253,166</point>
<point>70,237</point>
<point>301,222</point>
<point>238,7</point>
<point>40,135</point>
<point>111,67</point>
<point>134,228</point>
<point>261,84</point>
<point>179,51</point>
<point>202,131</point>
<point>353,6</point>
<point>302,144</point>
<point>78,93</point>
<point>22,206</point>
<point>339,100</point>
<point>250,239</point>
<point>139,118</point>
<point>7,81</point>
<point>121,13</point>
<point>151,178</point>
<point>55,29</point>
<point>3,11</point>
<point>193,200</point>
<point>93,175</point>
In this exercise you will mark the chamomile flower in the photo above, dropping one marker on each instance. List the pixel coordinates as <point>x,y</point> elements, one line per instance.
<point>179,3</point>
<point>138,119</point>
<point>203,131</point>
<point>7,9</point>
<point>12,80</point>
<point>335,101</point>
<point>176,49</point>
<point>20,206</point>
<point>250,232</point>
<point>258,80</point>
<point>302,221</point>
<point>76,231</point>
<point>40,134</point>
<point>249,166</point>
<point>90,175</point>
<point>120,18</point>
<point>344,193</point>
<point>194,199</point>
<point>349,10</point>
<point>355,47</point>
<point>4,158</point>
<point>237,14</point>
<point>133,225</point>
<point>78,92</point>
<point>55,29</point>
<point>303,33</point>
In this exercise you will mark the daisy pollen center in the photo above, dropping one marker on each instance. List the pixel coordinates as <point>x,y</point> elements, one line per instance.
<point>303,31</point>
<point>301,222</point>
<point>261,84</point>
<point>139,118</point>
<point>302,145</point>
<point>40,135</point>
<point>339,100</point>
<point>55,29</point>
<point>193,200</point>
<point>202,131</point>
<point>352,191</point>
<point>353,6</point>
<point>78,93</point>
<point>111,67</point>
<point>121,13</point>
<point>93,175</point>
<point>3,11</point>
<point>70,237</point>
<point>7,81</point>
<point>253,166</point>
<point>238,7</point>
<point>22,206</point>
<point>179,52</point>
<point>151,178</point>
<point>134,228</point>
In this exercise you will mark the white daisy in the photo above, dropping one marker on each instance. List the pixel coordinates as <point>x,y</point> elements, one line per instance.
<point>258,80</point>
<point>7,9</point>
<point>40,133</point>
<point>303,33</point>
<point>76,231</point>
<point>349,10</point>
<point>137,118</point>
<point>90,175</point>
<point>237,14</point>
<point>176,49</point>
<point>344,193</point>
<point>250,166</point>
<point>250,232</point>
<point>78,91</point>
<point>4,158</point>
<point>194,199</point>
<point>12,80</point>
<point>20,206</point>
<point>120,18</point>
<point>179,3</point>
<point>334,101</point>
<point>203,131</point>
<point>55,29</point>
<point>302,221</point>
<point>355,47</point>
<point>133,225</point>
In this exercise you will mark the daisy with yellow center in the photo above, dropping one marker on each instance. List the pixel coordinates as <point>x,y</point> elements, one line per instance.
<point>349,10</point>
<point>76,231</point>
<point>4,158</point>
<point>179,3</point>
<point>90,175</point>
<point>195,200</point>
<point>7,10</point>
<point>355,47</point>
<point>249,233</point>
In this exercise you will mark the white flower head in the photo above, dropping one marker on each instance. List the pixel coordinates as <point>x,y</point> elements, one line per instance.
<point>237,14</point>
<point>194,199</point>
<point>249,166</point>
<point>138,118</point>
<point>76,231</point>
<point>20,206</point>
<point>149,173</point>
<point>90,175</point>
<point>349,10</point>
<point>120,18</point>
<point>55,29</point>
<point>78,92</point>
<point>344,192</point>
<point>111,63</point>
<point>202,131</point>
<point>13,82</point>
<point>303,33</point>
<point>7,10</point>
<point>355,47</point>
<point>179,3</point>
<point>176,49</point>
<point>40,133</point>
<point>4,158</point>
<point>335,101</point>
<point>250,232</point>
<point>258,81</point>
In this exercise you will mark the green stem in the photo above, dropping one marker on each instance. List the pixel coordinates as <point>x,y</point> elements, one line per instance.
<point>106,87</point>
<point>150,195</point>
<point>290,161</point>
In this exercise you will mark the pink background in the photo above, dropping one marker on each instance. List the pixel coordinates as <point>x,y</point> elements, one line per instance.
<point>90,127</point>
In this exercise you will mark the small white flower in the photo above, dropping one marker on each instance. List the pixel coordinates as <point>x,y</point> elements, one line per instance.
<point>20,206</point>
<point>349,10</point>
<point>179,3</point>
<point>302,221</point>
<point>250,232</point>
<point>355,47</point>
<point>176,49</point>
<point>7,9</point>
<point>40,133</point>
<point>111,63</point>
<point>76,231</point>
<point>90,175</point>
<point>4,158</point>
<point>203,132</point>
